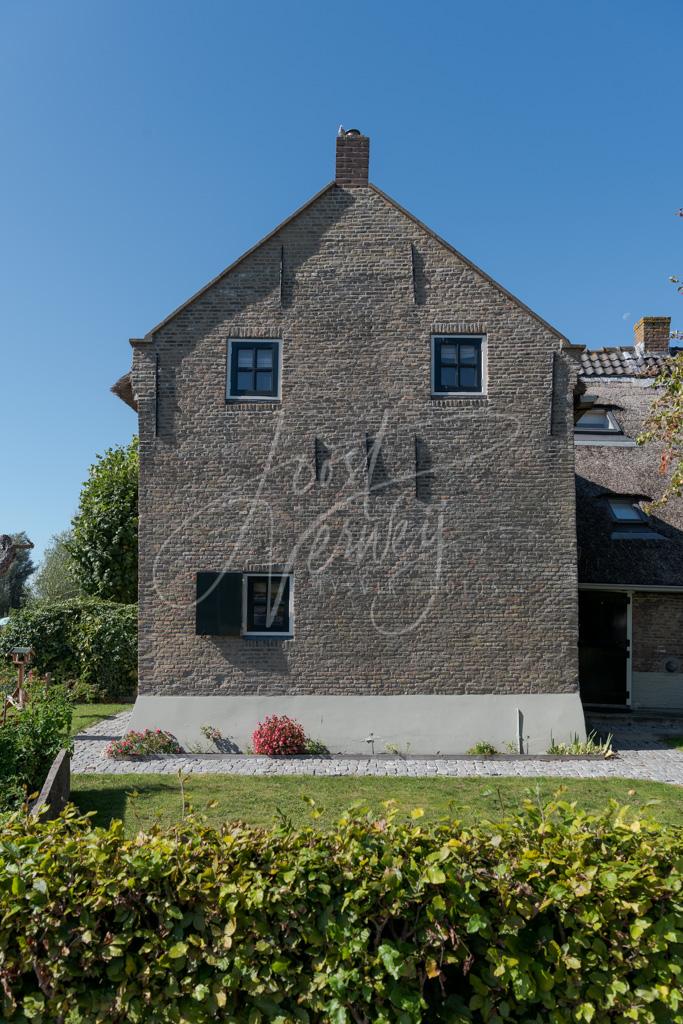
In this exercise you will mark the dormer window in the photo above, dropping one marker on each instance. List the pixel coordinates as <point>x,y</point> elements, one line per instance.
<point>631,522</point>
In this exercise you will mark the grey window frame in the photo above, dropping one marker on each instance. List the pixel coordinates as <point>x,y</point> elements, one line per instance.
<point>234,345</point>
<point>639,528</point>
<point>641,517</point>
<point>246,632</point>
<point>480,343</point>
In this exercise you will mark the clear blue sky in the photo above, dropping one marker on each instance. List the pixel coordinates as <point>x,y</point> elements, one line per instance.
<point>145,145</point>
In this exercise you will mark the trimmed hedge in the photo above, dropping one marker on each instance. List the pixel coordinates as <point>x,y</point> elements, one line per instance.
<point>86,640</point>
<point>550,917</point>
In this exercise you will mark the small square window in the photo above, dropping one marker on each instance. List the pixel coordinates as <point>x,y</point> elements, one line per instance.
<point>268,605</point>
<point>457,364</point>
<point>253,369</point>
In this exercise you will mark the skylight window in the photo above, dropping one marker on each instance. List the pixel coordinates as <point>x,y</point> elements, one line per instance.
<point>597,421</point>
<point>631,522</point>
<point>598,426</point>
<point>625,511</point>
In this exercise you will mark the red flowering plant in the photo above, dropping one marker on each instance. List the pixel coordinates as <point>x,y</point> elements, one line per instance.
<point>142,744</point>
<point>277,735</point>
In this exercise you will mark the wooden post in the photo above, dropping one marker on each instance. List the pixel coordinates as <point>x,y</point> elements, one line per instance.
<point>20,688</point>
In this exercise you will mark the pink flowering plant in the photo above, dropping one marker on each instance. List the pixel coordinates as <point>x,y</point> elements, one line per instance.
<point>212,734</point>
<point>279,735</point>
<point>142,744</point>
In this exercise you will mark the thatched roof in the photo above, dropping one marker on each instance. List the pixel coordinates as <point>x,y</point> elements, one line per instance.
<point>123,389</point>
<point>633,472</point>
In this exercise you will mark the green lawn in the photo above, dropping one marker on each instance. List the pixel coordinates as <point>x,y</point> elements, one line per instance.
<point>86,715</point>
<point>257,800</point>
<point>675,741</point>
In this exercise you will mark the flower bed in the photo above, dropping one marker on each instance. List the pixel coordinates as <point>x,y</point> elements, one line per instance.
<point>147,743</point>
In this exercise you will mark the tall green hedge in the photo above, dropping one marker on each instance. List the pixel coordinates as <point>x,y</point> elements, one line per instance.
<point>83,639</point>
<point>553,917</point>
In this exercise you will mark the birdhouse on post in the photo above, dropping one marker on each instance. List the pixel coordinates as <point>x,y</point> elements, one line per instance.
<point>22,657</point>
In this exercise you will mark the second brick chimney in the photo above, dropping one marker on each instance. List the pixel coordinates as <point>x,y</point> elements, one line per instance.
<point>353,158</point>
<point>652,334</point>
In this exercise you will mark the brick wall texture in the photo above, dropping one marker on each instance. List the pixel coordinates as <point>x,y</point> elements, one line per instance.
<point>657,631</point>
<point>466,584</point>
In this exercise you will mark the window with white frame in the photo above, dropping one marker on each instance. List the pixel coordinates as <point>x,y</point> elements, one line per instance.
<point>268,604</point>
<point>597,421</point>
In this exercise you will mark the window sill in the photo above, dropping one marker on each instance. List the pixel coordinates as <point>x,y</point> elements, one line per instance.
<point>253,404</point>
<point>460,398</point>
<point>273,638</point>
<point>604,439</point>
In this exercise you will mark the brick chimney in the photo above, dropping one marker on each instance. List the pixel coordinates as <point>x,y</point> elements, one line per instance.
<point>353,158</point>
<point>652,334</point>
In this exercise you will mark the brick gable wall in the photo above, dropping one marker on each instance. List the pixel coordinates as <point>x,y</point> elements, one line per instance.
<point>355,290</point>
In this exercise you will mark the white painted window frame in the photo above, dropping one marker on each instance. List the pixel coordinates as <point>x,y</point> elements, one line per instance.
<point>245,595</point>
<point>483,339</point>
<point>228,381</point>
<point>612,428</point>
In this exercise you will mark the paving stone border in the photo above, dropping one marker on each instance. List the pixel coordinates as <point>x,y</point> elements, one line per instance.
<point>642,755</point>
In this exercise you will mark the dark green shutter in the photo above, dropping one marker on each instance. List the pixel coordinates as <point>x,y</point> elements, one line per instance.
<point>219,603</point>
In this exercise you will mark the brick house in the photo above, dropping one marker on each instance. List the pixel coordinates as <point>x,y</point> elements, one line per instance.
<point>357,492</point>
<point>630,563</point>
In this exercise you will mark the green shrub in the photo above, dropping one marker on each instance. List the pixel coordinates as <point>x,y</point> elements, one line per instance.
<point>30,740</point>
<point>576,746</point>
<point>483,748</point>
<point>552,917</point>
<point>89,643</point>
<point>316,747</point>
<point>103,547</point>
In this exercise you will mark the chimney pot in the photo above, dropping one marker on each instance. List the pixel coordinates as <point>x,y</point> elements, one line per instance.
<point>353,158</point>
<point>652,335</point>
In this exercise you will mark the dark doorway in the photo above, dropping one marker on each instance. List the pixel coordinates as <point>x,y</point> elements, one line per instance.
<point>603,646</point>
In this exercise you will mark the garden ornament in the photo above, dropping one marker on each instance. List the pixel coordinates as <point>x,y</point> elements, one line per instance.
<point>22,658</point>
